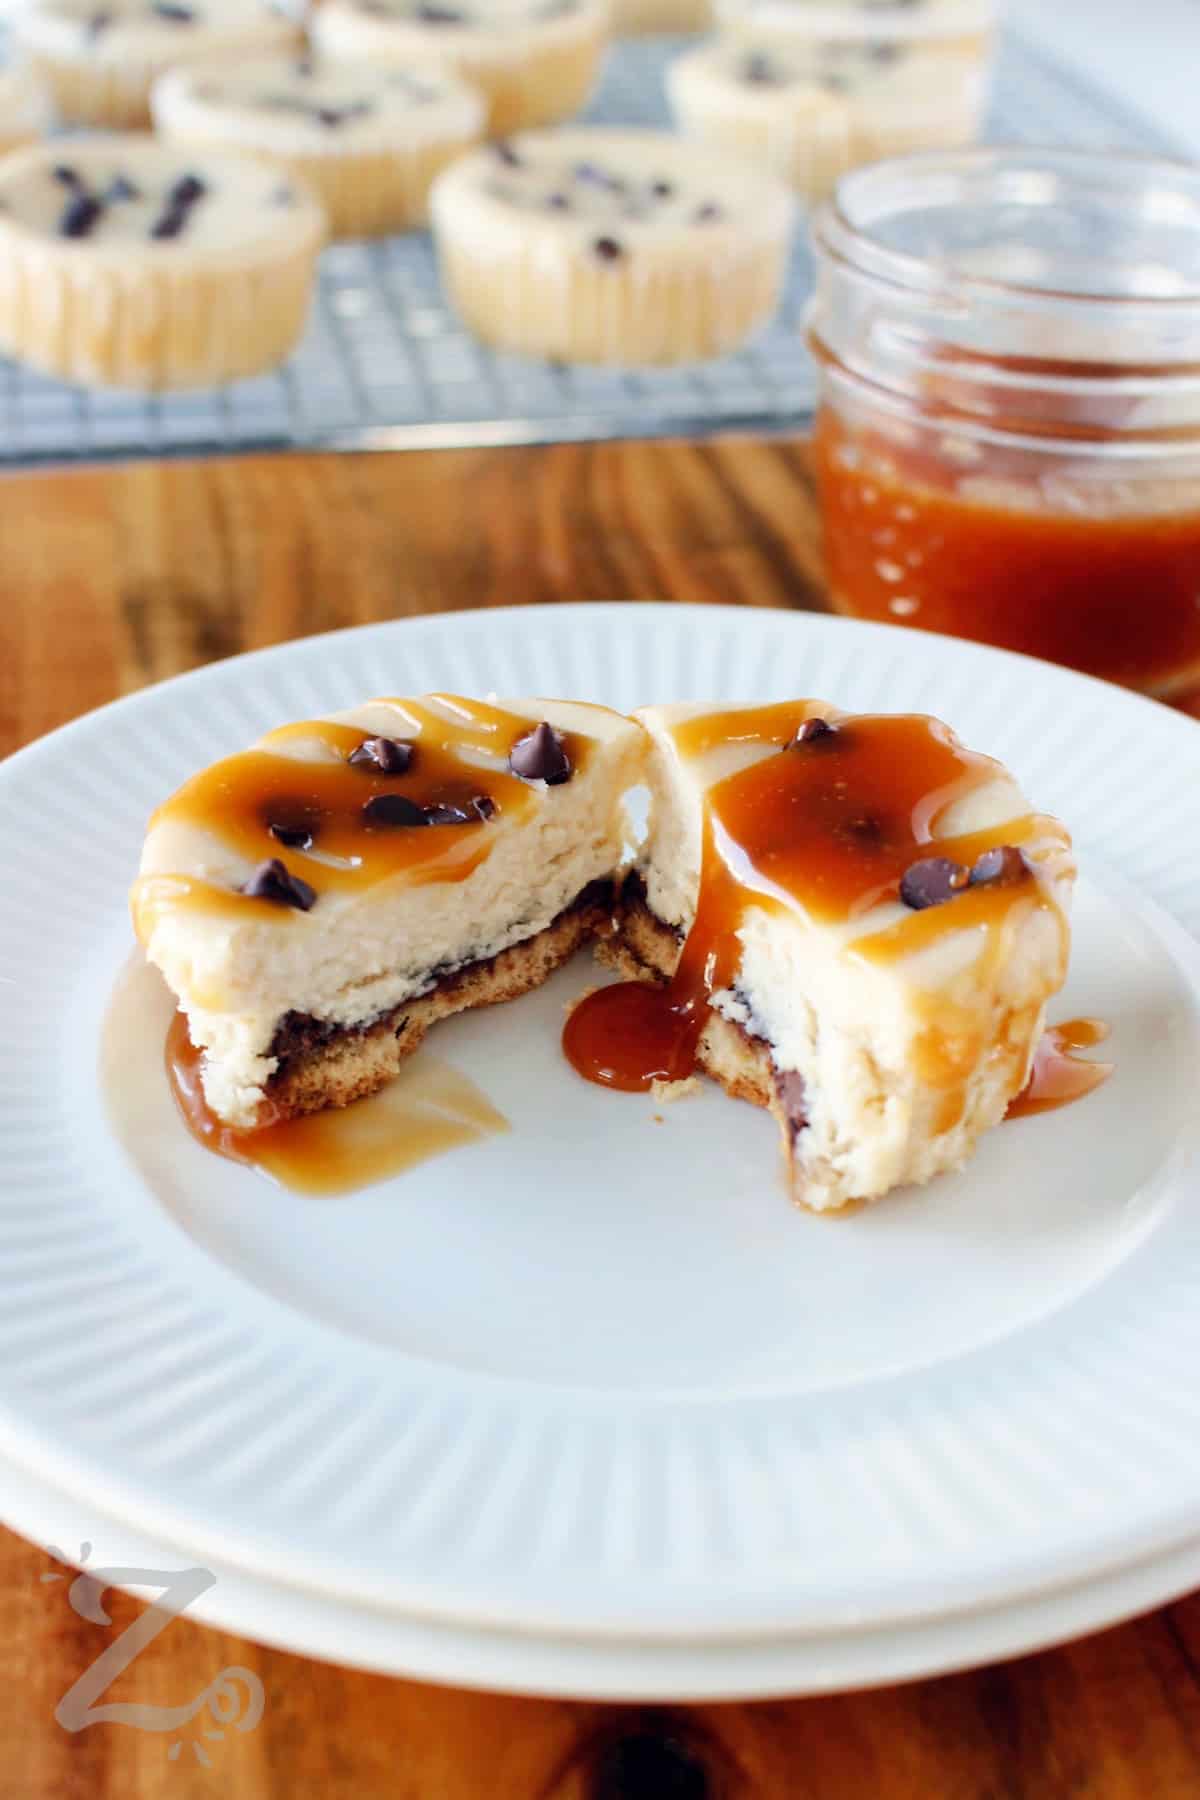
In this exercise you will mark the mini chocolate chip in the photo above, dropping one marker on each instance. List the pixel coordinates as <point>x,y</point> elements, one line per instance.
<point>304,67</point>
<point>1002,867</point>
<point>170,223</point>
<point>931,882</point>
<point>708,214</point>
<point>812,731</point>
<point>793,1098</point>
<point>390,755</point>
<point>592,175</point>
<point>296,831</point>
<point>272,880</point>
<point>505,152</point>
<point>883,55</point>
<point>607,249</point>
<point>662,190</point>
<point>282,196</point>
<point>121,188</point>
<point>758,69</point>
<point>187,190</point>
<point>431,14</point>
<point>446,814</point>
<point>558,202</point>
<point>69,177</point>
<point>484,805</point>
<point>80,215</point>
<point>97,24</point>
<point>539,756</point>
<point>394,809</point>
<point>177,14</point>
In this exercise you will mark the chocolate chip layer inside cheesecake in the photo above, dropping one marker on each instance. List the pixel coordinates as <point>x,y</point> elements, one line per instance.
<point>318,901</point>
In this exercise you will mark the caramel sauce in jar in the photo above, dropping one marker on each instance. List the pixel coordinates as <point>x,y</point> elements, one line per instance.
<point>1008,432</point>
<point>428,1109</point>
<point>912,538</point>
<point>827,829</point>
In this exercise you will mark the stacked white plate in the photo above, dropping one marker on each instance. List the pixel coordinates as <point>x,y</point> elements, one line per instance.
<point>590,1408</point>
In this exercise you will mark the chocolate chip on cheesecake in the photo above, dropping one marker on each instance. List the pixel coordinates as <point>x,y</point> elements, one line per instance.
<point>183,196</point>
<point>80,215</point>
<point>393,810</point>
<point>296,828</point>
<point>1001,867</point>
<point>273,880</point>
<point>540,756</point>
<point>811,731</point>
<point>932,881</point>
<point>391,756</point>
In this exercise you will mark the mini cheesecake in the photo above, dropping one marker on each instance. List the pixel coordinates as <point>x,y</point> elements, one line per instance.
<point>318,901</point>
<point>608,245</point>
<point>126,262</point>
<point>853,921</point>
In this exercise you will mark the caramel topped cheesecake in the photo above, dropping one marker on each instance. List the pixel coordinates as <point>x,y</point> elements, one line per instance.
<point>853,921</point>
<point>316,902</point>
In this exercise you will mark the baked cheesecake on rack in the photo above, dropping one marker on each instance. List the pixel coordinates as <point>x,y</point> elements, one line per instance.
<point>318,901</point>
<point>850,920</point>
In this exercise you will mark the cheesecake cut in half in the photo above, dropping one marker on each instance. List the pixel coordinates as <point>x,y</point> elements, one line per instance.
<point>318,901</point>
<point>855,922</point>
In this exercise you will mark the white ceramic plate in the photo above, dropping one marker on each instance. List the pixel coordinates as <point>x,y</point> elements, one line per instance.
<point>596,1381</point>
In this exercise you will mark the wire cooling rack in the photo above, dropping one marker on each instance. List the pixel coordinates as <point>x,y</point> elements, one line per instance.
<point>386,365</point>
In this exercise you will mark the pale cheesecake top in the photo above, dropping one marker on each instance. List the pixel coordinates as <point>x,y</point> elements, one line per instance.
<point>282,102</point>
<point>613,190</point>
<point>116,197</point>
<point>156,32</point>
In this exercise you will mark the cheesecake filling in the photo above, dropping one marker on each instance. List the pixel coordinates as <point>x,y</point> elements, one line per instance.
<point>868,906</point>
<point>347,868</point>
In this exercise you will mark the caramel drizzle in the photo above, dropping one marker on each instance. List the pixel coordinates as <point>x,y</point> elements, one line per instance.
<point>300,774</point>
<point>427,1110</point>
<point>828,830</point>
<point>1059,1077</point>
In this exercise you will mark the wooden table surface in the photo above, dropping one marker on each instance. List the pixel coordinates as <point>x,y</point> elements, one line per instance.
<point>113,578</point>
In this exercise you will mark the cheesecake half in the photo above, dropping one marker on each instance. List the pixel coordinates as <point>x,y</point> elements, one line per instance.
<point>855,922</point>
<point>318,901</point>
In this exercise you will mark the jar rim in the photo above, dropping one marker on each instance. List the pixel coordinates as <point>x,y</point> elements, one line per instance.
<point>842,226</point>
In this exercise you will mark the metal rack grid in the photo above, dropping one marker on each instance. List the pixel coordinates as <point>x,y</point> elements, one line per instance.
<point>386,365</point>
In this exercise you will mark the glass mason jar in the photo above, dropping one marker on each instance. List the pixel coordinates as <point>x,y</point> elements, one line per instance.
<point>1008,434</point>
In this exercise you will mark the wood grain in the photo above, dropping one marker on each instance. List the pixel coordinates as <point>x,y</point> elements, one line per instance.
<point>112,578</point>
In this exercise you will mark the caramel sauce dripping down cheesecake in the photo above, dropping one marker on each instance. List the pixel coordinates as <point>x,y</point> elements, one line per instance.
<point>853,921</point>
